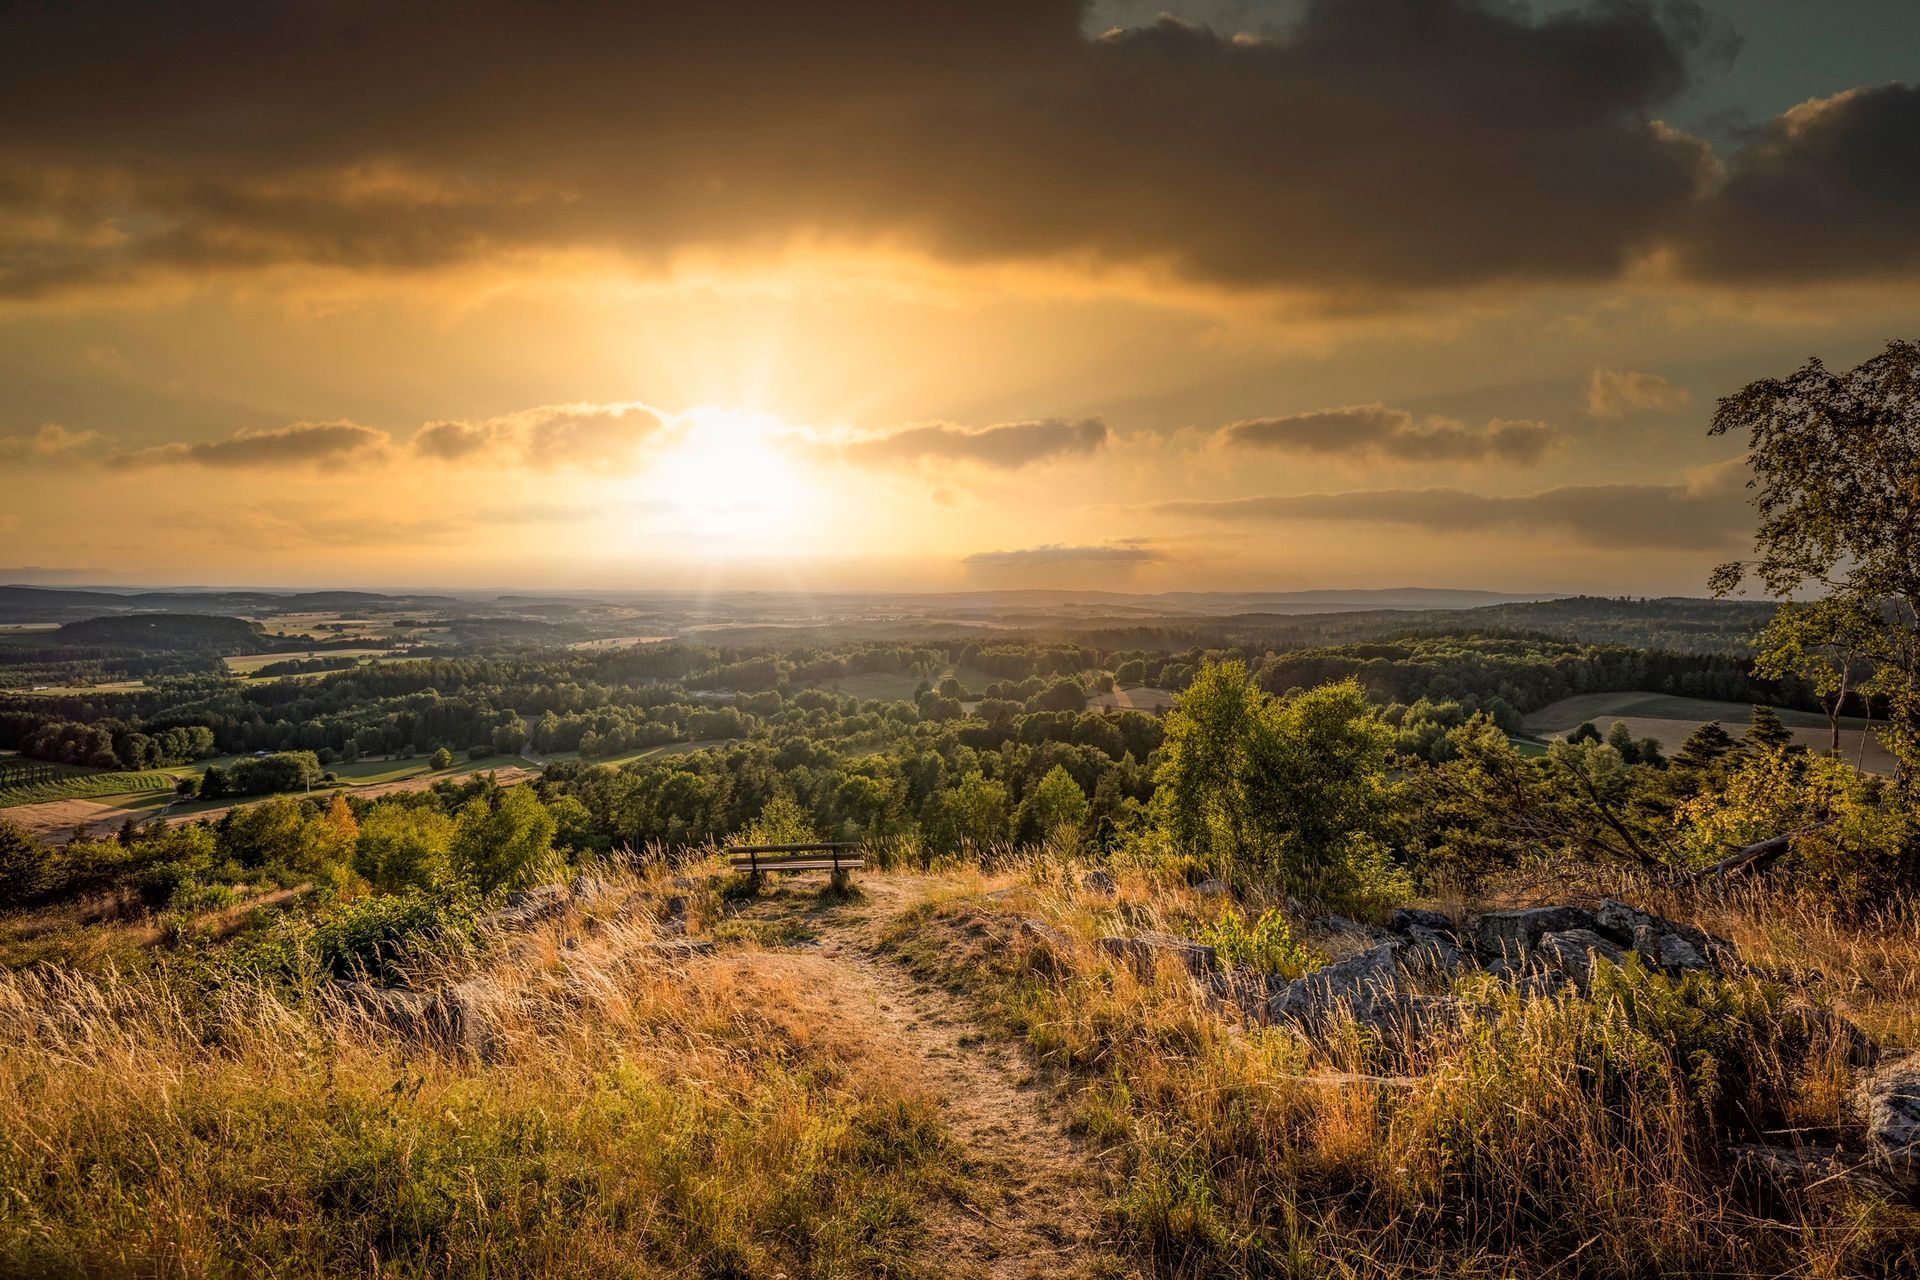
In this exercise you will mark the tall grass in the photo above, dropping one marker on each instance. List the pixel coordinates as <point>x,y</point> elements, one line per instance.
<point>628,1117</point>
<point>1551,1136</point>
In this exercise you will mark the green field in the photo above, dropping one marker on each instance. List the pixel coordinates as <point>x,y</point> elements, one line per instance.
<point>33,781</point>
<point>1668,720</point>
<point>247,662</point>
<point>643,753</point>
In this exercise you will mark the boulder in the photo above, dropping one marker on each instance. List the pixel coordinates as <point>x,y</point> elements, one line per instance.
<point>1512,935</point>
<point>451,1019</point>
<point>1348,928</point>
<point>1352,981</point>
<point>1889,1100</point>
<point>529,906</point>
<point>1808,1166</point>
<point>1572,952</point>
<point>1673,947</point>
<point>585,888</point>
<point>1211,888</point>
<point>1432,950</point>
<point>1145,951</point>
<point>1098,881</point>
<point>1038,931</point>
<point>1404,919</point>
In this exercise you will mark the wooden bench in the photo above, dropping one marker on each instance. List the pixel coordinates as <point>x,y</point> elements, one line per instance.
<point>842,858</point>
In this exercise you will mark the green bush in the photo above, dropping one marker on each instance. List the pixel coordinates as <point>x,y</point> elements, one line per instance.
<point>376,938</point>
<point>1267,946</point>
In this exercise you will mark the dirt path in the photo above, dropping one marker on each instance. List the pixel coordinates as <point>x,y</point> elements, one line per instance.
<point>1037,1213</point>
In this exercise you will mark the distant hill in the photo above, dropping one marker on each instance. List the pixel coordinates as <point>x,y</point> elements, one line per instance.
<point>166,632</point>
<point>49,604</point>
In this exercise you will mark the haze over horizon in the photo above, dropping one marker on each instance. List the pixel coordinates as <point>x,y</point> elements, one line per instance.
<point>1239,296</point>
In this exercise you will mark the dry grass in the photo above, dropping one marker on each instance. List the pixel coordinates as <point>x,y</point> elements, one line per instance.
<point>1556,1136</point>
<point>629,1116</point>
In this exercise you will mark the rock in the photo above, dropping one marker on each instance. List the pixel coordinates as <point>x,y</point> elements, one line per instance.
<point>1808,1166</point>
<point>1211,888</point>
<point>1352,981</point>
<point>1404,919</point>
<point>1572,952</point>
<point>585,888</point>
<point>1100,882</point>
<point>1145,951</point>
<point>452,1019</point>
<point>1350,928</point>
<point>1512,935</point>
<point>1433,950</point>
<point>674,907</point>
<point>1046,935</point>
<point>1889,1099</point>
<point>528,906</point>
<point>1673,947</point>
<point>1247,994</point>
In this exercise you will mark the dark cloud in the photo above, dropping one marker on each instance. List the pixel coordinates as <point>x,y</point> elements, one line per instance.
<point>1374,146</point>
<point>299,444</point>
<point>1376,431</point>
<point>1007,446</point>
<point>1706,512</point>
<point>1055,554</point>
<point>1831,191</point>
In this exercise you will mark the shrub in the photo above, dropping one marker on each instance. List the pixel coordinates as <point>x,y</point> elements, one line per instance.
<point>375,938</point>
<point>1266,947</point>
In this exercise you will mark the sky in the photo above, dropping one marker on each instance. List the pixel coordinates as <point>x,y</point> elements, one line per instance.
<point>928,294</point>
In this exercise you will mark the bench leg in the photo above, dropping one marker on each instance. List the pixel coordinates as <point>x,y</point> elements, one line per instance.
<point>842,879</point>
<point>755,881</point>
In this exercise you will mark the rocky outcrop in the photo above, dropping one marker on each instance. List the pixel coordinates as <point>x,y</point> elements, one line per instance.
<point>1098,882</point>
<point>529,906</point>
<point>1145,951</point>
<point>452,1019</point>
<point>1889,1101</point>
<point>1513,935</point>
<point>1571,952</point>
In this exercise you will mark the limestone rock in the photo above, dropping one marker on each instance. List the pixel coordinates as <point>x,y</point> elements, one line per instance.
<point>1433,950</point>
<point>1889,1099</point>
<point>1405,919</point>
<point>1098,881</point>
<point>1352,980</point>
<point>1211,888</point>
<point>1572,952</point>
<point>1144,953</point>
<point>1512,935</point>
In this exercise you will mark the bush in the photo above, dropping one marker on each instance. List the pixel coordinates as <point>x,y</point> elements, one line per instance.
<point>1267,947</point>
<point>376,938</point>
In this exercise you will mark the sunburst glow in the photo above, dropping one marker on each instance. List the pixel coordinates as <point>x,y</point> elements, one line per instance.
<point>731,478</point>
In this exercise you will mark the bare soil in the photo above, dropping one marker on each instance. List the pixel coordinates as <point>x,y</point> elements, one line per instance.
<point>1035,1211</point>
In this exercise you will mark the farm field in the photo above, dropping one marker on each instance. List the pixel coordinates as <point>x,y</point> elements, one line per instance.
<point>645,753</point>
<point>25,781</point>
<point>56,819</point>
<point>1140,698</point>
<point>248,662</point>
<point>1668,720</point>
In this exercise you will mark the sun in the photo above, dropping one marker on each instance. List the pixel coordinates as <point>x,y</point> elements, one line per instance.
<point>731,476</point>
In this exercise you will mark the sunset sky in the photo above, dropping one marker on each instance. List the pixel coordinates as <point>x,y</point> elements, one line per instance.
<point>928,295</point>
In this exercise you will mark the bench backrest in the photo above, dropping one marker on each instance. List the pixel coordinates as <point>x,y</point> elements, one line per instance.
<point>833,855</point>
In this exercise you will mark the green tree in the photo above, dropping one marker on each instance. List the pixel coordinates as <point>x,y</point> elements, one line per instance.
<point>441,759</point>
<point>404,846</point>
<point>1056,806</point>
<point>24,866</point>
<point>505,843</point>
<point>1767,732</point>
<point>1836,466</point>
<point>1704,747</point>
